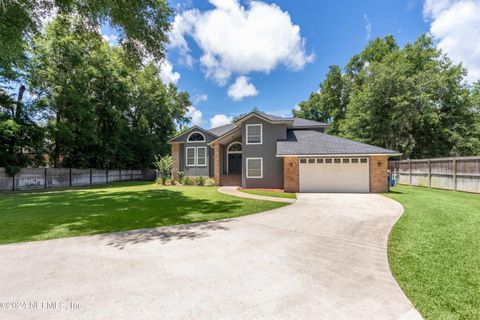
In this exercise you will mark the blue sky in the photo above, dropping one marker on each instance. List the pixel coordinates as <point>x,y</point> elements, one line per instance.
<point>234,55</point>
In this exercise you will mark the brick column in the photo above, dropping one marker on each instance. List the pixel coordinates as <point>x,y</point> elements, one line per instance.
<point>176,160</point>
<point>291,178</point>
<point>378,174</point>
<point>216,163</point>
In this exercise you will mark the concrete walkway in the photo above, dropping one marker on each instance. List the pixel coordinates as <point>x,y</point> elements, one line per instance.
<point>233,191</point>
<point>323,257</point>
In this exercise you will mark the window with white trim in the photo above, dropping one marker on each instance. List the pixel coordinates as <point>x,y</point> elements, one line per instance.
<point>254,133</point>
<point>235,147</point>
<point>196,137</point>
<point>190,156</point>
<point>201,156</point>
<point>254,167</point>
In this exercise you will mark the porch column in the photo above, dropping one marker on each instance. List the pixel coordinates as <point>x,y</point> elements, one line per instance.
<point>216,163</point>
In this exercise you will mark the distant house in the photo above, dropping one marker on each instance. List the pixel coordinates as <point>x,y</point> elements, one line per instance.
<point>265,151</point>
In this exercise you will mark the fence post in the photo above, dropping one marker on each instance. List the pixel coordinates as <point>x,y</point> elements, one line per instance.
<point>70,176</point>
<point>106,175</point>
<point>429,173</point>
<point>409,172</point>
<point>45,176</point>
<point>13,186</point>
<point>119,175</point>
<point>90,176</point>
<point>455,174</point>
<point>131,174</point>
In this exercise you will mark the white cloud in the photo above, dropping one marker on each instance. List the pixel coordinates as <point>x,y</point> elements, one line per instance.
<point>167,74</point>
<point>219,120</point>
<point>455,25</point>
<point>368,27</point>
<point>195,115</point>
<point>200,97</point>
<point>241,89</point>
<point>238,40</point>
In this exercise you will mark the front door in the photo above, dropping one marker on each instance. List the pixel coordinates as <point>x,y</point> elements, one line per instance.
<point>235,163</point>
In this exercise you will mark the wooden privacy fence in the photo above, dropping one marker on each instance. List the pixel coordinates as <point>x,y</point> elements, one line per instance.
<point>462,174</point>
<point>46,178</point>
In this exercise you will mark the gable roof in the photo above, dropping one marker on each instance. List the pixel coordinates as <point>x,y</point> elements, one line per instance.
<point>220,131</point>
<point>178,137</point>
<point>311,142</point>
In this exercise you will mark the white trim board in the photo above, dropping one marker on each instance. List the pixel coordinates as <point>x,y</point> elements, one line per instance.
<point>338,155</point>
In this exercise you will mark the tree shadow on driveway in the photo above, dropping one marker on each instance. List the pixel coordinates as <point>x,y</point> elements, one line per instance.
<point>164,235</point>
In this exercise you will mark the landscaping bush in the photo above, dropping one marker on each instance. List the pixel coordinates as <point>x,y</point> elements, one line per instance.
<point>210,182</point>
<point>189,181</point>
<point>164,166</point>
<point>200,180</point>
<point>181,176</point>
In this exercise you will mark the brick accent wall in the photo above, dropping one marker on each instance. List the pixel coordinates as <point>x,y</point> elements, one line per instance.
<point>291,174</point>
<point>378,174</point>
<point>216,163</point>
<point>176,160</point>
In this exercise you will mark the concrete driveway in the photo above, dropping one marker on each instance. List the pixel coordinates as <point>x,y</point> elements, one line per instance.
<point>323,257</point>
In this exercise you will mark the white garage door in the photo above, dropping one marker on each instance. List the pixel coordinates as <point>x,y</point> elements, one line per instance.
<point>334,175</point>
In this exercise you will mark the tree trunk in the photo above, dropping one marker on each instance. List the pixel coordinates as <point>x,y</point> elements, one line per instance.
<point>18,111</point>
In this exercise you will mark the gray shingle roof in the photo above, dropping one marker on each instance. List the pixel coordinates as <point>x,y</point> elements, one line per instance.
<point>299,122</point>
<point>310,142</point>
<point>219,131</point>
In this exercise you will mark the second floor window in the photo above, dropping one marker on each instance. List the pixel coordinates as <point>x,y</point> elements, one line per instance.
<point>254,134</point>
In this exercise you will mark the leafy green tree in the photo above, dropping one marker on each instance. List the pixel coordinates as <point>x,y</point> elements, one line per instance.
<point>103,110</point>
<point>328,104</point>
<point>143,25</point>
<point>411,99</point>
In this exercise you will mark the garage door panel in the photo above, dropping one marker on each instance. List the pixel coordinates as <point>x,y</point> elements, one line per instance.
<point>334,177</point>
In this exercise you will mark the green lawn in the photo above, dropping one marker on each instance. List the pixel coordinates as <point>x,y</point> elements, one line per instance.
<point>434,251</point>
<point>118,207</point>
<point>270,193</point>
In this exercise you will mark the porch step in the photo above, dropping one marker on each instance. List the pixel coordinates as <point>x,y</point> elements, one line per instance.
<point>231,180</point>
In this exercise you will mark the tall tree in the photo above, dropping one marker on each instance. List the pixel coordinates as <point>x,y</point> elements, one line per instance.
<point>411,99</point>
<point>104,110</point>
<point>328,104</point>
<point>143,24</point>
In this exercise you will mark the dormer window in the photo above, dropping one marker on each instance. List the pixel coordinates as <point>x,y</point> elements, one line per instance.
<point>196,137</point>
<point>254,133</point>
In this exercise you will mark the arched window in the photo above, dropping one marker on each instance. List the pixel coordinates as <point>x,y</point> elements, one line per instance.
<point>196,137</point>
<point>235,147</point>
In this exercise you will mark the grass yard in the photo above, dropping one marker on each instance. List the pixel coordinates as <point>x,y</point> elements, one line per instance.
<point>270,193</point>
<point>434,251</point>
<point>118,207</point>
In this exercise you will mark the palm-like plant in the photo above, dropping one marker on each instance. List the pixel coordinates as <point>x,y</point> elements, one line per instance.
<point>164,166</point>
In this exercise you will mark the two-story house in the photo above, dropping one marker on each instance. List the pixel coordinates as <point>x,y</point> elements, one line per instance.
<point>265,151</point>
